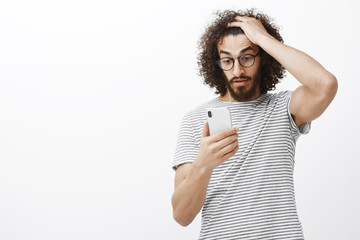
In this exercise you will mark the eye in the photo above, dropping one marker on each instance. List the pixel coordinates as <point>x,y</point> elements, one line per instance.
<point>246,58</point>
<point>226,61</point>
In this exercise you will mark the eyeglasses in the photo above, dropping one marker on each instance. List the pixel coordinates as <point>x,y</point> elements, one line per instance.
<point>245,60</point>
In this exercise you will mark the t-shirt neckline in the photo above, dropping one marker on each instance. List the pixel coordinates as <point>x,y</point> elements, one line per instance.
<point>243,103</point>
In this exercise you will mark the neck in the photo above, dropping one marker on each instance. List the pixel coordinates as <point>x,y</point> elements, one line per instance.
<point>228,98</point>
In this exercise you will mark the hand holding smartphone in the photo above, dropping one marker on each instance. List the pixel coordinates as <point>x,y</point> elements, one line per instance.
<point>215,150</point>
<point>219,119</point>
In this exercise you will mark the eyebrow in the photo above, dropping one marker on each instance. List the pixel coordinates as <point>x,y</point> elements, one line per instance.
<point>242,51</point>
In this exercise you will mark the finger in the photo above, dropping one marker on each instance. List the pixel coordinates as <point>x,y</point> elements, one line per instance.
<point>230,154</point>
<point>241,18</point>
<point>206,131</point>
<point>228,148</point>
<point>234,24</point>
<point>225,133</point>
<point>226,141</point>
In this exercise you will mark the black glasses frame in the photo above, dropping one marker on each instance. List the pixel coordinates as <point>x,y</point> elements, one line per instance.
<point>238,58</point>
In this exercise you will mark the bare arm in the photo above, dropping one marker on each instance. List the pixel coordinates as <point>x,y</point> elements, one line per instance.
<point>191,182</point>
<point>192,179</point>
<point>318,87</point>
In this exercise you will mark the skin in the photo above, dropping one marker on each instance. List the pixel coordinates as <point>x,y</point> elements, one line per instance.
<point>307,103</point>
<point>192,179</point>
<point>234,47</point>
<point>318,87</point>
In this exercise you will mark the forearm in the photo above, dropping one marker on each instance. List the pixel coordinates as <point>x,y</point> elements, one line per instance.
<point>189,196</point>
<point>304,68</point>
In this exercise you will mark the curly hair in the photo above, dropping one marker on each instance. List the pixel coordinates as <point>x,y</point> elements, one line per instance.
<point>271,70</point>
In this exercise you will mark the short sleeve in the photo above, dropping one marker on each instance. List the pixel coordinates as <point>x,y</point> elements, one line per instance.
<point>305,128</point>
<point>186,148</point>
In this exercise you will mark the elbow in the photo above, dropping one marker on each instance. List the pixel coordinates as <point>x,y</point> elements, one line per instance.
<point>182,222</point>
<point>183,211</point>
<point>182,219</point>
<point>179,215</point>
<point>330,86</point>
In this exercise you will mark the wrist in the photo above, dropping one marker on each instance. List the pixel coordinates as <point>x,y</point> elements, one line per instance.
<point>263,40</point>
<point>201,168</point>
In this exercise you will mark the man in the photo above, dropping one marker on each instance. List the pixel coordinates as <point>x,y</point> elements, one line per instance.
<point>242,178</point>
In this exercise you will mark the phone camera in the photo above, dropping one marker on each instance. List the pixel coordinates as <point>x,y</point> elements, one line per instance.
<point>209,114</point>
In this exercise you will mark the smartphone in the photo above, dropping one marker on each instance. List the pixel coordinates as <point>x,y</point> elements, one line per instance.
<point>218,119</point>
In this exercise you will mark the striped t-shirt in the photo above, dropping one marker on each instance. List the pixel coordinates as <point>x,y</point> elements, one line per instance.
<point>251,195</point>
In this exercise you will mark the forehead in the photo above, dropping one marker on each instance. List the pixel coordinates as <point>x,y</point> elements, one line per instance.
<point>234,44</point>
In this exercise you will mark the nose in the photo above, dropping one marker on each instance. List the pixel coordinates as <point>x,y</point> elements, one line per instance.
<point>237,69</point>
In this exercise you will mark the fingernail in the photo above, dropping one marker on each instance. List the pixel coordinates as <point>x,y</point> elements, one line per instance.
<point>237,128</point>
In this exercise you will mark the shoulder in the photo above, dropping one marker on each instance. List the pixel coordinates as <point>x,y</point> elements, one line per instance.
<point>281,97</point>
<point>198,111</point>
<point>283,94</point>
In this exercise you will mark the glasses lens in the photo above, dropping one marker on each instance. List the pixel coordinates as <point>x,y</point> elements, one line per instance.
<point>226,63</point>
<point>247,60</point>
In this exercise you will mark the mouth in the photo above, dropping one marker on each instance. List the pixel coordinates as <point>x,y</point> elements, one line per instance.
<point>240,82</point>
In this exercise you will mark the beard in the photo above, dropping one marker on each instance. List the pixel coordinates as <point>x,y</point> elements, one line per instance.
<point>241,93</point>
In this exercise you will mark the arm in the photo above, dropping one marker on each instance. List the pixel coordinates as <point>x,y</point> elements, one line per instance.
<point>191,182</point>
<point>192,179</point>
<point>318,87</point>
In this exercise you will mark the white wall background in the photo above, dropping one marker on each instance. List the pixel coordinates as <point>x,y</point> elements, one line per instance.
<point>91,97</point>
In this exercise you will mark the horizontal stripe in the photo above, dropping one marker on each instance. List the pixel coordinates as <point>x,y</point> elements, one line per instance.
<point>251,195</point>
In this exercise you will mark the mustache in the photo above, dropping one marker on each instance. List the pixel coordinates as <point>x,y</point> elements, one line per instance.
<point>240,78</point>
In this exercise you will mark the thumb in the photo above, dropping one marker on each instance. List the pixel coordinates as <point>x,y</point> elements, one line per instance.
<point>206,131</point>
